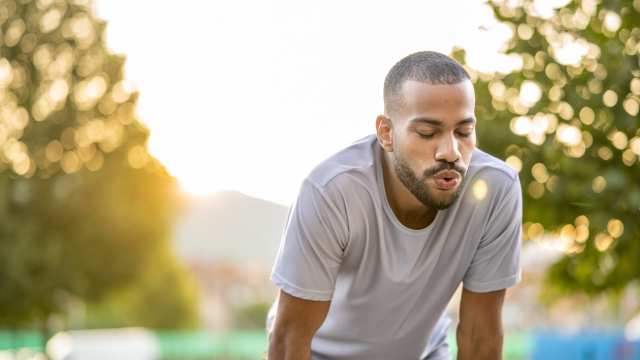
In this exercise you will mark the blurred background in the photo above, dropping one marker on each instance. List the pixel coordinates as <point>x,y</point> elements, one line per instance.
<point>149,152</point>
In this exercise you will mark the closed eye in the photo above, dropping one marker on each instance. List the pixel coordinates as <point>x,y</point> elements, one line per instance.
<point>426,136</point>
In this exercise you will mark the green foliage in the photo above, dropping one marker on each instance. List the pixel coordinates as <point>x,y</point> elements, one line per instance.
<point>578,143</point>
<point>85,208</point>
<point>251,316</point>
<point>163,297</point>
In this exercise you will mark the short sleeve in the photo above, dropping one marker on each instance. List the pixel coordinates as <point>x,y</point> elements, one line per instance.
<point>311,247</point>
<point>496,262</point>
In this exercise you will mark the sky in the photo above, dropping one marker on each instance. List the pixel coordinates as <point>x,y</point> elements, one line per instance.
<point>251,95</point>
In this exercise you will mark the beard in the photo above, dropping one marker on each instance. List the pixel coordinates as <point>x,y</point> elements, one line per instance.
<point>418,187</point>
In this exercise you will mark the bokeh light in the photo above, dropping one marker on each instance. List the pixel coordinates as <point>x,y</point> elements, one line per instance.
<point>615,227</point>
<point>599,184</point>
<point>610,98</point>
<point>568,135</point>
<point>530,93</point>
<point>603,241</point>
<point>514,162</point>
<point>480,189</point>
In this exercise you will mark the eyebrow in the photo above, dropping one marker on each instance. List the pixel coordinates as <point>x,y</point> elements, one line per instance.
<point>436,122</point>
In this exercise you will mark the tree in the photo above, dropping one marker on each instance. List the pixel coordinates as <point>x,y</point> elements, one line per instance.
<point>162,297</point>
<point>569,120</point>
<point>84,207</point>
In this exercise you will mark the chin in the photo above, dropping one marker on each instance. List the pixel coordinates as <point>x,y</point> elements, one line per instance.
<point>445,198</point>
<point>446,202</point>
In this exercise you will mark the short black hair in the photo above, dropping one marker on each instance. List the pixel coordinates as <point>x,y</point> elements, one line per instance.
<point>425,66</point>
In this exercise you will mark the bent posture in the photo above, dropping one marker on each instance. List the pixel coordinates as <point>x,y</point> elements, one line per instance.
<point>383,233</point>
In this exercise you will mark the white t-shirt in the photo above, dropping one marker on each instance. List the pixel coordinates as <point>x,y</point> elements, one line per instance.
<point>389,284</point>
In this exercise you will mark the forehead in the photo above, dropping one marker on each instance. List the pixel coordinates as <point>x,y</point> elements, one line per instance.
<point>419,97</point>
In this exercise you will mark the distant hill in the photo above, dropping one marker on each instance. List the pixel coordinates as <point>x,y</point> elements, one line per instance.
<point>230,226</point>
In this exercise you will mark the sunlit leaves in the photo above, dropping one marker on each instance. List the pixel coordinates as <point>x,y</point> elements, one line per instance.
<point>64,77</point>
<point>50,20</point>
<point>568,135</point>
<point>83,202</point>
<point>6,74</point>
<point>87,92</point>
<point>514,162</point>
<point>568,122</point>
<point>598,184</point>
<point>530,93</point>
<point>14,32</point>
<point>631,106</point>
<point>610,98</point>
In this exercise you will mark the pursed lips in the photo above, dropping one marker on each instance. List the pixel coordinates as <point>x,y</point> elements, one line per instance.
<point>447,179</point>
<point>447,174</point>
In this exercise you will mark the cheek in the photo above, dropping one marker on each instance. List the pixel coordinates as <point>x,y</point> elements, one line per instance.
<point>421,158</point>
<point>466,148</point>
<point>421,153</point>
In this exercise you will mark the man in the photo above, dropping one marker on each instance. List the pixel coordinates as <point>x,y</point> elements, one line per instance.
<point>384,231</point>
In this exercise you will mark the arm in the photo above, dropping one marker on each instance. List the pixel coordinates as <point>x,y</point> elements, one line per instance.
<point>495,266</point>
<point>479,334</point>
<point>306,269</point>
<point>297,320</point>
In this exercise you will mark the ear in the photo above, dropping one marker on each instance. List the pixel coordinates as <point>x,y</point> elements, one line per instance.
<point>384,131</point>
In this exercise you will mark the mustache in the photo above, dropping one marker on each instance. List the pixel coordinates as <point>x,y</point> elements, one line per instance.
<point>444,166</point>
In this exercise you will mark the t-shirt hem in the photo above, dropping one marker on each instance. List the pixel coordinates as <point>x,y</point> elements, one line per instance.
<point>307,294</point>
<point>482,287</point>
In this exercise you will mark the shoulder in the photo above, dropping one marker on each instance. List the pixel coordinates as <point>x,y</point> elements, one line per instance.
<point>495,173</point>
<point>490,181</point>
<point>492,195</point>
<point>346,166</point>
<point>343,180</point>
<point>489,165</point>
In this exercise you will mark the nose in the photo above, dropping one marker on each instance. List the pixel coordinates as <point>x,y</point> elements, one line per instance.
<point>448,149</point>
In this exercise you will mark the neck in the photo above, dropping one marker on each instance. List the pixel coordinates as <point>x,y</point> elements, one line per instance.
<point>410,211</point>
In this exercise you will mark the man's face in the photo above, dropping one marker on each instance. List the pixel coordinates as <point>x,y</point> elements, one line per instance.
<point>433,138</point>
